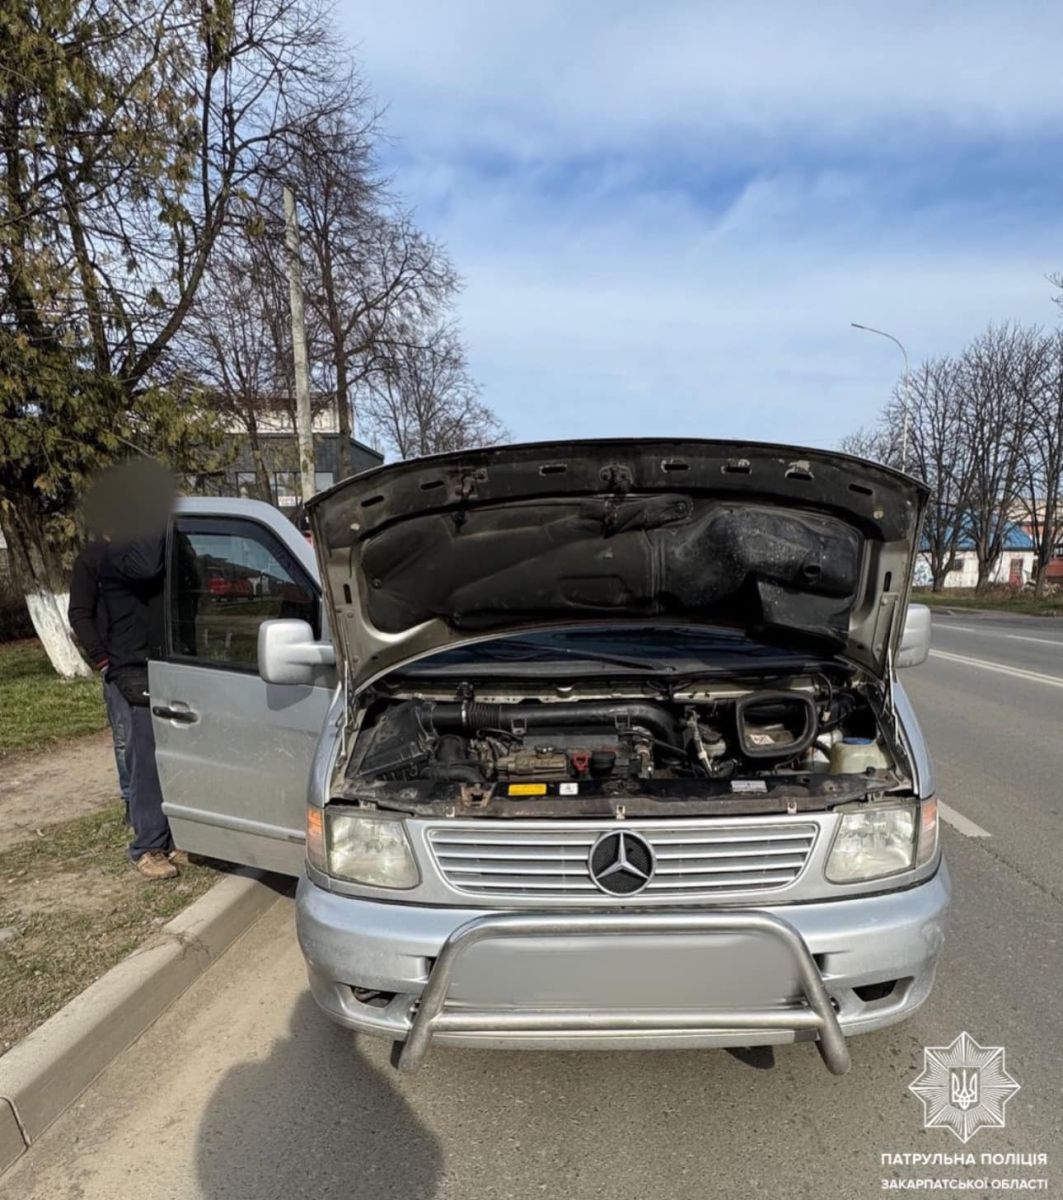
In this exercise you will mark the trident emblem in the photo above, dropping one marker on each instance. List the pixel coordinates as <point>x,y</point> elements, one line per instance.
<point>963,1087</point>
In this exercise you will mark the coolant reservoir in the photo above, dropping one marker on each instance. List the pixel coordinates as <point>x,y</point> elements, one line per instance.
<point>853,756</point>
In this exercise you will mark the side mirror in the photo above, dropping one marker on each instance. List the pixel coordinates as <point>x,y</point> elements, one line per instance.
<point>287,653</point>
<point>915,641</point>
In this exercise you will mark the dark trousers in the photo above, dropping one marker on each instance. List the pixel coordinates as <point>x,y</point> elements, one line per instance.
<point>112,698</point>
<point>151,830</point>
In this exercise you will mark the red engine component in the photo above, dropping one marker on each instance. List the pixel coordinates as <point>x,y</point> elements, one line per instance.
<point>580,760</point>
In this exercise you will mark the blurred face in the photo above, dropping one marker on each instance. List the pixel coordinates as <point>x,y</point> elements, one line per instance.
<point>130,501</point>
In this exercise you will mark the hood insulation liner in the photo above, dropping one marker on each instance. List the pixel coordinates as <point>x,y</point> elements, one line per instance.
<point>752,566</point>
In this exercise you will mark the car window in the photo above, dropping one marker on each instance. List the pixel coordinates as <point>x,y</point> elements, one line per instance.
<point>226,577</point>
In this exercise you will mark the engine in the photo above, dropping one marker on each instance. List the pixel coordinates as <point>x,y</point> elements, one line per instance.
<point>474,742</point>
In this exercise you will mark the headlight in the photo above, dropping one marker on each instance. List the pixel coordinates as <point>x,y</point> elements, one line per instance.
<point>369,849</point>
<point>873,843</point>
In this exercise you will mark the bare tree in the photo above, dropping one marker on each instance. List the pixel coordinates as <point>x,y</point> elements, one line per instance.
<point>939,454</point>
<point>1041,471</point>
<point>237,340</point>
<point>378,292</point>
<point>1000,377</point>
<point>427,404</point>
<point>374,281</point>
<point>872,443</point>
<point>981,434</point>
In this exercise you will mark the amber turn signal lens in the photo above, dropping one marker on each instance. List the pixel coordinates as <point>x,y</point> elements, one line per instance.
<point>928,831</point>
<point>315,838</point>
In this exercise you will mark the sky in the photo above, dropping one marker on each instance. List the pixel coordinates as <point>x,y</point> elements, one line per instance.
<point>667,214</point>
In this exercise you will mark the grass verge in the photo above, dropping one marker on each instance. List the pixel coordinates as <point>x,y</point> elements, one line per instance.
<point>994,600</point>
<point>71,906</point>
<point>36,706</point>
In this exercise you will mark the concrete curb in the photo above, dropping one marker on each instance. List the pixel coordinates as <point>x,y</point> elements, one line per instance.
<point>45,1073</point>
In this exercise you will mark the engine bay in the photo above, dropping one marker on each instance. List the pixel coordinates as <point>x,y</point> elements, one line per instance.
<point>812,738</point>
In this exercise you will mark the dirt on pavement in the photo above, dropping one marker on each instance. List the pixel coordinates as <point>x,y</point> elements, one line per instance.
<point>51,786</point>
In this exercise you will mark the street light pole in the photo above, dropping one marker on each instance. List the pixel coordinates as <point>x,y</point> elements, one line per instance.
<point>907,386</point>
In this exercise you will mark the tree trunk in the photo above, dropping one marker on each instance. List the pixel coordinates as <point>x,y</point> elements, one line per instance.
<point>38,575</point>
<point>343,415</point>
<point>258,462</point>
<point>261,473</point>
<point>1046,545</point>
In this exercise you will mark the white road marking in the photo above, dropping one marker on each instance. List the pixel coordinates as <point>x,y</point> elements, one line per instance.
<point>1022,637</point>
<point>1017,672</point>
<point>1015,637</point>
<point>958,821</point>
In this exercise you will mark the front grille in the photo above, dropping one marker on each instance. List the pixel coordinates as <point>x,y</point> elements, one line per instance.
<point>709,859</point>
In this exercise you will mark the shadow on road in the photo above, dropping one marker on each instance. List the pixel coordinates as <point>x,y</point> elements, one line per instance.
<point>316,1118</point>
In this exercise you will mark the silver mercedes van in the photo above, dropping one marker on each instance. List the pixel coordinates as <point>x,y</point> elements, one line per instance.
<point>572,745</point>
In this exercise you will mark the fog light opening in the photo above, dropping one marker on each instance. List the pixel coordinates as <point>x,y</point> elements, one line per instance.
<point>371,997</point>
<point>869,992</point>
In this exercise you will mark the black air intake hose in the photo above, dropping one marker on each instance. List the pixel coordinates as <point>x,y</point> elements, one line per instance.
<point>451,765</point>
<point>472,717</point>
<point>455,772</point>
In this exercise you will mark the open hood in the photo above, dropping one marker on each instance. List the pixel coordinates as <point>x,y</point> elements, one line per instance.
<point>807,548</point>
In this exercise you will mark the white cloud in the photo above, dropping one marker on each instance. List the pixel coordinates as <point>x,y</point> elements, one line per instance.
<point>599,72</point>
<point>668,214</point>
<point>757,348</point>
<point>657,317</point>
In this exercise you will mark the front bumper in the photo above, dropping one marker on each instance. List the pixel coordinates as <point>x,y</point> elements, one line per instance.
<point>842,956</point>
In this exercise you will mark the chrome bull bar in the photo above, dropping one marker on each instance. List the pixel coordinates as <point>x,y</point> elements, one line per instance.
<point>431,1016</point>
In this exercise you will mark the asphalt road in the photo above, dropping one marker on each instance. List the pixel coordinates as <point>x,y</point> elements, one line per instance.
<point>242,1090</point>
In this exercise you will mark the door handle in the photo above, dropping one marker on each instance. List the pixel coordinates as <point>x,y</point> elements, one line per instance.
<point>185,715</point>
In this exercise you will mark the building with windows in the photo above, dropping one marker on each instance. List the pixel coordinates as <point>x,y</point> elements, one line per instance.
<point>280,454</point>
<point>1031,519</point>
<point>1015,567</point>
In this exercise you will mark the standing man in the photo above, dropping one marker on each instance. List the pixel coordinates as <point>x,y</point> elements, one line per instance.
<point>89,623</point>
<point>131,589</point>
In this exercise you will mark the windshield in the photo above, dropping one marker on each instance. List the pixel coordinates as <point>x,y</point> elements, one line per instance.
<point>637,649</point>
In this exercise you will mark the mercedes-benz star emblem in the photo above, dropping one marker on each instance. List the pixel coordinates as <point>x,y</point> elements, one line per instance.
<point>621,863</point>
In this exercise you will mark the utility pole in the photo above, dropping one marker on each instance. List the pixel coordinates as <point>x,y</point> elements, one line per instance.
<point>304,429</point>
<point>907,385</point>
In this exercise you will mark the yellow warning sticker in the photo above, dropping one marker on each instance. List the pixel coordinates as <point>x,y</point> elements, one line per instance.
<point>527,789</point>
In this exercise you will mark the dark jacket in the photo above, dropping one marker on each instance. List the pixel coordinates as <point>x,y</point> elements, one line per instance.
<point>131,587</point>
<point>86,612</point>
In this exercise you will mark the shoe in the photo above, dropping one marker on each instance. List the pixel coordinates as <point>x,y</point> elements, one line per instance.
<point>179,858</point>
<point>155,865</point>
